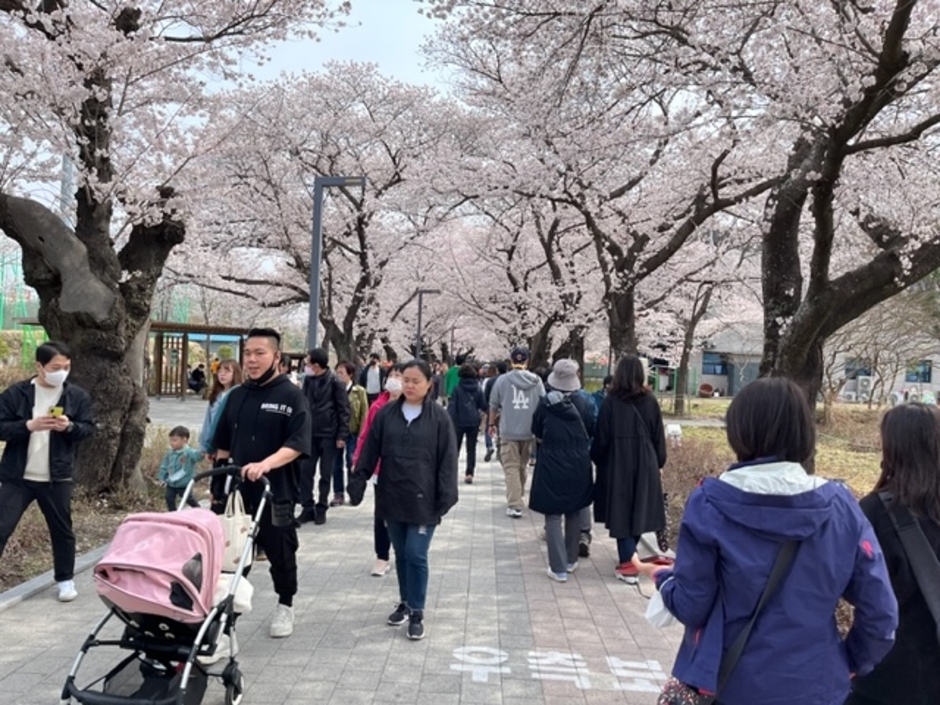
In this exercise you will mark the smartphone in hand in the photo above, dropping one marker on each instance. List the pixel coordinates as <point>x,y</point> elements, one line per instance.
<point>56,411</point>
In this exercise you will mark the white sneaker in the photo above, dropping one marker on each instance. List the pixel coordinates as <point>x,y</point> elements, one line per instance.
<point>223,650</point>
<point>557,577</point>
<point>572,567</point>
<point>67,591</point>
<point>282,624</point>
<point>513,512</point>
<point>380,568</point>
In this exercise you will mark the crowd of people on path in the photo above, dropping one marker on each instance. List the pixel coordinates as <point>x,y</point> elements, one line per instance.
<point>765,551</point>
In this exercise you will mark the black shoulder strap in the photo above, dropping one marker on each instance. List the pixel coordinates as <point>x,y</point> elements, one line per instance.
<point>920,554</point>
<point>733,655</point>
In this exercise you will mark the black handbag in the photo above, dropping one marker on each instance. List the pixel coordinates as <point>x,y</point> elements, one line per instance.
<point>676,692</point>
<point>920,554</point>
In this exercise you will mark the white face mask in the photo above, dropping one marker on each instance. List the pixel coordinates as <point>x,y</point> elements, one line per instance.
<point>392,385</point>
<point>56,378</point>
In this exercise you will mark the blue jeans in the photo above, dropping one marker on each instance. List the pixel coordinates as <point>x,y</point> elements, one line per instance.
<point>411,543</point>
<point>626,548</point>
<point>487,438</point>
<point>339,472</point>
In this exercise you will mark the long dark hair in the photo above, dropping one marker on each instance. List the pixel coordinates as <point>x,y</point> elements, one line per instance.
<point>770,418</point>
<point>910,458</point>
<point>217,387</point>
<point>629,382</point>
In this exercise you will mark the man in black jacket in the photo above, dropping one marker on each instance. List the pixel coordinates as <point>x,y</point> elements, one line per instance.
<point>265,428</point>
<point>329,411</point>
<point>372,378</point>
<point>42,420</point>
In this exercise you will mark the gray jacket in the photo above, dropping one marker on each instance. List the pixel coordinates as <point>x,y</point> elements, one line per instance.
<point>515,396</point>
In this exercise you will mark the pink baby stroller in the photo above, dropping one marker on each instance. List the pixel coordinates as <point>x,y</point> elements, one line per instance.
<point>159,577</point>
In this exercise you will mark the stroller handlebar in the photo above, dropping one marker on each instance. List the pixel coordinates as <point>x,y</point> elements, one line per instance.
<point>233,471</point>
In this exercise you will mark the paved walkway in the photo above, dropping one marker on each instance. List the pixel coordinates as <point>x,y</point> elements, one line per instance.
<point>499,631</point>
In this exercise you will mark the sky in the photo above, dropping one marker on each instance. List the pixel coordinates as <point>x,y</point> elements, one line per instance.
<point>386,32</point>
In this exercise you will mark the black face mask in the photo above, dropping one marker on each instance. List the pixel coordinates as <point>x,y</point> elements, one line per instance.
<point>263,379</point>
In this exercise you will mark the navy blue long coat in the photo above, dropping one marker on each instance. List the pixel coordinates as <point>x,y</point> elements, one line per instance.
<point>563,479</point>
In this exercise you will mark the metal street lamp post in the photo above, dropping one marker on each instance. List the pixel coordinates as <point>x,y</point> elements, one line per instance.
<point>316,245</point>
<point>421,293</point>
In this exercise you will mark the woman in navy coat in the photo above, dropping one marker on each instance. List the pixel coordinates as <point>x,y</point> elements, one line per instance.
<point>562,483</point>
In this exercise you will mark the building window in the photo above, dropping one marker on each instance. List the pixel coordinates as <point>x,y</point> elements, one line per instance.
<point>856,367</point>
<point>714,364</point>
<point>919,372</point>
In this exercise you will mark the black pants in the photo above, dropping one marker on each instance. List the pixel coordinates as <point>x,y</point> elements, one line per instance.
<point>471,436</point>
<point>322,452</point>
<point>172,494</point>
<point>278,542</point>
<point>383,543</point>
<point>55,503</point>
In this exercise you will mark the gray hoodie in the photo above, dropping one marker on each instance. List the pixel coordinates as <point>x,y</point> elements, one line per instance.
<point>515,396</point>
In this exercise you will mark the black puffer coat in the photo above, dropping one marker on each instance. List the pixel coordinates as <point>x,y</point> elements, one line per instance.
<point>629,448</point>
<point>563,480</point>
<point>417,481</point>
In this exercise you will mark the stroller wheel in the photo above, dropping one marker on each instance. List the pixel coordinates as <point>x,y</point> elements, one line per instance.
<point>235,691</point>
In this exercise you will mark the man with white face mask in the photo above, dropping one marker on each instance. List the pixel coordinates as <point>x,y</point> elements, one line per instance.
<point>42,420</point>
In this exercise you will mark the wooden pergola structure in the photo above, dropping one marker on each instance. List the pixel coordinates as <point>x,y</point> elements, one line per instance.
<point>170,362</point>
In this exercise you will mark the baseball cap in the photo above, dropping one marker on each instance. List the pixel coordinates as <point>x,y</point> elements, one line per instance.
<point>519,354</point>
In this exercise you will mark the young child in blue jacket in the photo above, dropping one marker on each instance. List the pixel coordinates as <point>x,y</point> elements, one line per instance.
<point>178,467</point>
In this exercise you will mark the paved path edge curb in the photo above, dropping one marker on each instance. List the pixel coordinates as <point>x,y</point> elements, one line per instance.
<point>24,591</point>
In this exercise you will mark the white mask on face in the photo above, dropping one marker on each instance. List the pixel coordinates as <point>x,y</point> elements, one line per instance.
<point>392,385</point>
<point>56,378</point>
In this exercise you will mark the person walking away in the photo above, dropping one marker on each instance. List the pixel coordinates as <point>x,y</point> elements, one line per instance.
<point>563,479</point>
<point>329,413</point>
<point>629,450</point>
<point>910,485</point>
<point>178,467</point>
<point>512,403</point>
<point>382,543</point>
<point>42,421</point>
<point>358,408</point>
<point>265,428</point>
<point>491,373</point>
<point>452,376</point>
<point>417,485</point>
<point>372,378</point>
<point>765,515</point>
<point>228,374</point>
<point>466,409</point>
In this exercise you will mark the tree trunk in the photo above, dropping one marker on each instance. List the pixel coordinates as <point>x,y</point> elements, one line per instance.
<point>621,313</point>
<point>572,348</point>
<point>98,301</point>
<point>540,345</point>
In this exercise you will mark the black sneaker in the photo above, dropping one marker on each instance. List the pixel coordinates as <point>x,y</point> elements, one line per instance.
<point>416,625</point>
<point>306,516</point>
<point>584,546</point>
<point>399,616</point>
<point>489,455</point>
<point>320,515</point>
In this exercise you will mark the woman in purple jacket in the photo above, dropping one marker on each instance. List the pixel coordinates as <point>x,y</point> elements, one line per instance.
<point>732,530</point>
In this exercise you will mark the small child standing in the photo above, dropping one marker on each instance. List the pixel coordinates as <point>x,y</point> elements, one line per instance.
<point>178,467</point>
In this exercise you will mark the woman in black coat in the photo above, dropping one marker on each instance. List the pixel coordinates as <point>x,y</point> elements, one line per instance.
<point>466,407</point>
<point>629,450</point>
<point>562,482</point>
<point>910,445</point>
<point>416,484</point>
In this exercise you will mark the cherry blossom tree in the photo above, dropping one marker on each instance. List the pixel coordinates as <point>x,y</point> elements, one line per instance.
<point>599,126</point>
<point>346,121</point>
<point>120,89</point>
<point>826,111</point>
